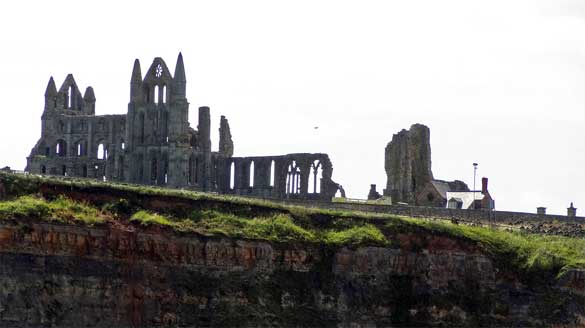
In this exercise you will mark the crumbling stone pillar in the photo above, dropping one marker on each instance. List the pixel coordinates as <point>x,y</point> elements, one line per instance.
<point>408,163</point>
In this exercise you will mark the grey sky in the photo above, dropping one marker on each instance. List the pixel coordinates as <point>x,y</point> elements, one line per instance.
<point>501,83</point>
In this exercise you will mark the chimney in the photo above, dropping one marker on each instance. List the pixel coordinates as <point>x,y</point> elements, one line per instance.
<point>373,194</point>
<point>571,211</point>
<point>484,185</point>
<point>541,210</point>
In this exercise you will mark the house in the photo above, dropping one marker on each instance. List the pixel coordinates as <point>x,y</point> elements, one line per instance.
<point>434,193</point>
<point>474,199</point>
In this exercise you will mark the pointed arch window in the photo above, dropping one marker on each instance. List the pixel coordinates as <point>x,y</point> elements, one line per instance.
<point>272,173</point>
<point>153,170</point>
<point>102,152</point>
<point>251,184</point>
<point>232,175</point>
<point>293,179</point>
<point>61,148</point>
<point>315,177</point>
<point>69,96</point>
<point>190,170</point>
<point>164,96</point>
<point>156,94</point>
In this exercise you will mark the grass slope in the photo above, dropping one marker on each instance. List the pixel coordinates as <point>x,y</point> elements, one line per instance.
<point>520,251</point>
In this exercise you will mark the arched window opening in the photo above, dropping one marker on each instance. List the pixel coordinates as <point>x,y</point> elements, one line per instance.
<point>166,171</point>
<point>102,152</point>
<point>318,179</point>
<point>155,94</point>
<point>140,167</point>
<point>153,170</point>
<point>315,177</point>
<point>312,183</point>
<point>164,100</point>
<point>197,170</point>
<point>84,171</point>
<point>251,174</point>
<point>165,126</point>
<point>80,149</point>
<point>141,123</point>
<point>121,168</point>
<point>232,175</point>
<point>190,171</point>
<point>43,169</point>
<point>69,97</point>
<point>61,148</point>
<point>272,174</point>
<point>64,170</point>
<point>47,151</point>
<point>122,144</point>
<point>293,179</point>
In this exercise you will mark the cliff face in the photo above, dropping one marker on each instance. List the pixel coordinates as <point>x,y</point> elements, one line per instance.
<point>116,275</point>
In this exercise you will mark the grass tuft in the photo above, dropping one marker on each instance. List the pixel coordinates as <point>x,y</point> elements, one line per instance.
<point>147,218</point>
<point>366,234</point>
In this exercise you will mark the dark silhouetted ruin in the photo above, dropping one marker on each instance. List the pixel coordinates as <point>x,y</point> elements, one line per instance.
<point>408,168</point>
<point>153,144</point>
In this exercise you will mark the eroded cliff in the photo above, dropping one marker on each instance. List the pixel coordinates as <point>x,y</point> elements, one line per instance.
<point>123,274</point>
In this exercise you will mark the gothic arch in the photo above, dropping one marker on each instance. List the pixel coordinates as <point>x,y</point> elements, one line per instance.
<point>61,148</point>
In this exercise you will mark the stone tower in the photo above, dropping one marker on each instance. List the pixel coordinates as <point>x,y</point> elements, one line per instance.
<point>408,163</point>
<point>157,124</point>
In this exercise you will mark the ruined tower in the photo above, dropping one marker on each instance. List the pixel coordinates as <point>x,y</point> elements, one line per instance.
<point>157,124</point>
<point>408,163</point>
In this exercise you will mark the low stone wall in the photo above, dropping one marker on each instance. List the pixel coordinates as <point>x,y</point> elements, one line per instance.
<point>479,216</point>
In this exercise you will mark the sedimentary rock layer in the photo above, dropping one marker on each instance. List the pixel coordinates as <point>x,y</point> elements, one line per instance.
<point>73,276</point>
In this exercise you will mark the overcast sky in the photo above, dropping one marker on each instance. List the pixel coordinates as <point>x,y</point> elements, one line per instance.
<point>501,83</point>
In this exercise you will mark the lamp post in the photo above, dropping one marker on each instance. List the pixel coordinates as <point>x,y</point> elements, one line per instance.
<point>474,173</point>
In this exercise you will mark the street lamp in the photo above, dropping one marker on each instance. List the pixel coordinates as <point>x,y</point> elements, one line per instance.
<point>474,173</point>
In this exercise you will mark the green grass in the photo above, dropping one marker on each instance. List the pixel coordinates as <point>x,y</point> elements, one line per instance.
<point>62,210</point>
<point>366,234</point>
<point>280,223</point>
<point>528,252</point>
<point>275,228</point>
<point>148,218</point>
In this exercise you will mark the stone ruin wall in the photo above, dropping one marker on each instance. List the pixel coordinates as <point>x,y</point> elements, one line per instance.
<point>153,144</point>
<point>408,163</point>
<point>571,226</point>
<point>292,176</point>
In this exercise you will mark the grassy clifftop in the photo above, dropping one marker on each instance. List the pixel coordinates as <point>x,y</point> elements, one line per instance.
<point>84,202</point>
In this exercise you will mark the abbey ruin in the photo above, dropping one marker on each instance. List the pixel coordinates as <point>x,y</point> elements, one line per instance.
<point>153,144</point>
<point>411,181</point>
